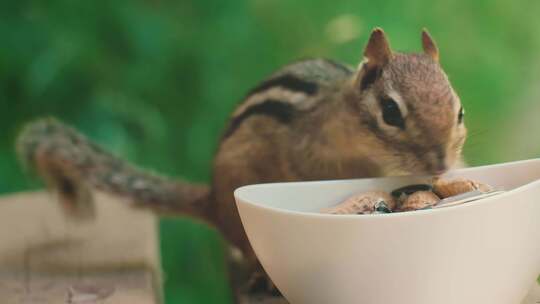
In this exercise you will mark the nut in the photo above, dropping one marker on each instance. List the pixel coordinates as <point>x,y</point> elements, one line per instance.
<point>447,188</point>
<point>364,203</point>
<point>419,200</point>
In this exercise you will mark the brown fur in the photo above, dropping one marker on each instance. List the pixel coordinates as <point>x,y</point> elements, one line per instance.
<point>338,133</point>
<point>334,140</point>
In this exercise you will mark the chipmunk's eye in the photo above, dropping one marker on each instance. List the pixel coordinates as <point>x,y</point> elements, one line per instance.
<point>391,113</point>
<point>460,115</point>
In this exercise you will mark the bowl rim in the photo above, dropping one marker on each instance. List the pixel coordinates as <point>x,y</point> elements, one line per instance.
<point>238,193</point>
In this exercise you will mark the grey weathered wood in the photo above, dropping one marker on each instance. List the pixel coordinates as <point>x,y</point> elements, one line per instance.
<point>47,258</point>
<point>133,286</point>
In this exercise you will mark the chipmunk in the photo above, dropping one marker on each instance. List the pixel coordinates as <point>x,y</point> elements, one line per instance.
<point>396,114</point>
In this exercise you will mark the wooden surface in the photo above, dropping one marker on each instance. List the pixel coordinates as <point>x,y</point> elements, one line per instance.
<point>113,259</point>
<point>47,258</point>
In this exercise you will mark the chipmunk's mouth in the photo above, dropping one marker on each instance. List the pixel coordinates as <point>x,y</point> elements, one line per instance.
<point>435,170</point>
<point>429,172</point>
<point>437,167</point>
<point>439,172</point>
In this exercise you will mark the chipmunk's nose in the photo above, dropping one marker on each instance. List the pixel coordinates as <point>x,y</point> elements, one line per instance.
<point>439,168</point>
<point>438,162</point>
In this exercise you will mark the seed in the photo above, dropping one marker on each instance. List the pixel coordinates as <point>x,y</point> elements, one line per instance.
<point>382,207</point>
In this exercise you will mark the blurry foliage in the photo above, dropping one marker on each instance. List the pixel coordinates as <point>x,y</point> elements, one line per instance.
<point>154,81</point>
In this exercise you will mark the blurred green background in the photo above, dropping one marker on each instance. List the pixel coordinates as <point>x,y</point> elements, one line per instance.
<point>154,81</point>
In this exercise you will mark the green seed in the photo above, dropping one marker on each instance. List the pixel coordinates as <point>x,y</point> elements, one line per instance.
<point>382,207</point>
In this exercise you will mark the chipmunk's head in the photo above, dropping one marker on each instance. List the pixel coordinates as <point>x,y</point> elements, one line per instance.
<point>409,106</point>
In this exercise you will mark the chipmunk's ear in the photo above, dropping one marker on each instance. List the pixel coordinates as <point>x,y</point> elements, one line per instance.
<point>377,51</point>
<point>429,45</point>
<point>376,55</point>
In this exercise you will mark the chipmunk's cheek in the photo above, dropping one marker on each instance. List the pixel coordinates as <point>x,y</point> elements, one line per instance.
<point>454,157</point>
<point>451,161</point>
<point>414,167</point>
<point>397,167</point>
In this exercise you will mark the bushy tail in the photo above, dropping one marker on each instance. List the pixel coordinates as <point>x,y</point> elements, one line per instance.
<point>72,165</point>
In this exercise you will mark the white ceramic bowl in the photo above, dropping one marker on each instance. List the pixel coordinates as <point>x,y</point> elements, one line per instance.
<point>483,252</point>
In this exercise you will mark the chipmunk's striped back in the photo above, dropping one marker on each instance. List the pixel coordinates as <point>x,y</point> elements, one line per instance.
<point>292,89</point>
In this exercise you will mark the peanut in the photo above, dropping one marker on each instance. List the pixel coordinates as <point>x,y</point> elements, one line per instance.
<point>419,200</point>
<point>364,203</point>
<point>447,188</point>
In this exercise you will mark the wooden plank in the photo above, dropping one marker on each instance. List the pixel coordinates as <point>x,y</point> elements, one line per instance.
<point>134,286</point>
<point>47,258</point>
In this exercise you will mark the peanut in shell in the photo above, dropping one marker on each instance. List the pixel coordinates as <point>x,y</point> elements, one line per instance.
<point>447,188</point>
<point>419,200</point>
<point>363,203</point>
